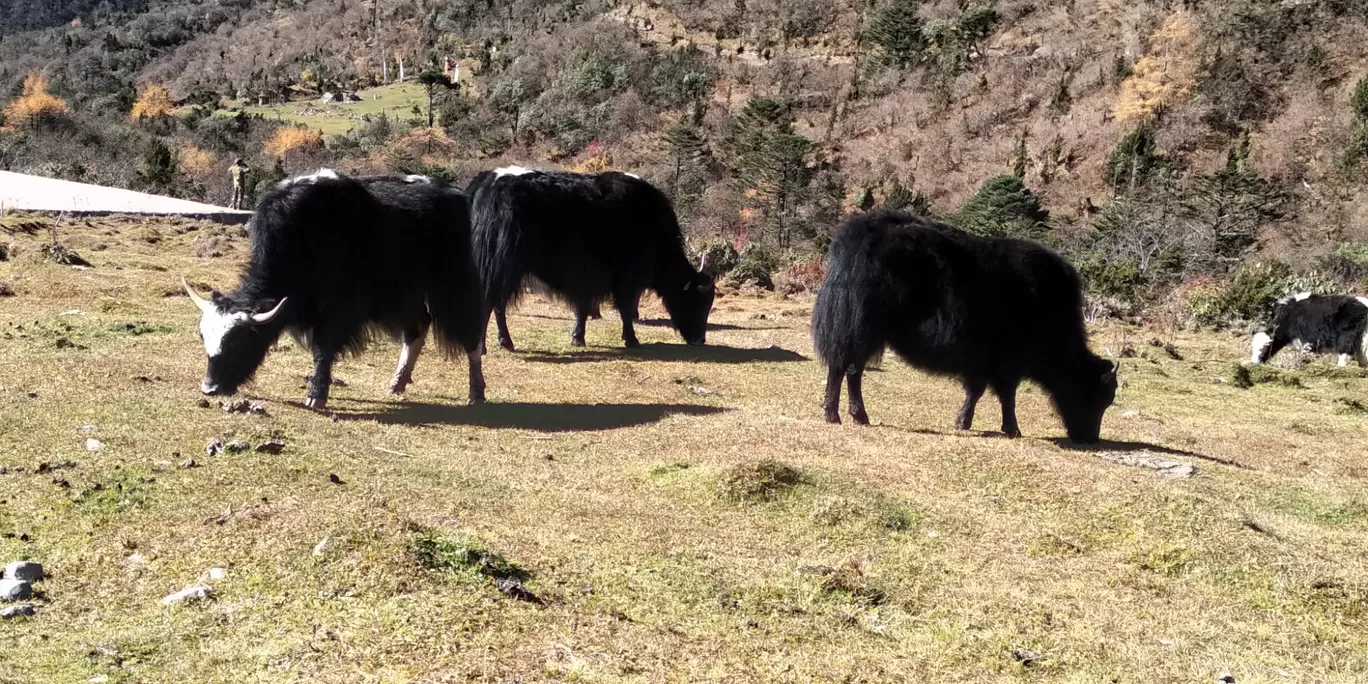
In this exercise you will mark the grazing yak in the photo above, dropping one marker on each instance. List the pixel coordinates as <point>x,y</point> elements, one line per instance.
<point>1317,323</point>
<point>989,311</point>
<point>586,238</point>
<point>335,258</point>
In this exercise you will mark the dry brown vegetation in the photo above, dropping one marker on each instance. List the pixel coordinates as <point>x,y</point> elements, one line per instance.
<point>667,514</point>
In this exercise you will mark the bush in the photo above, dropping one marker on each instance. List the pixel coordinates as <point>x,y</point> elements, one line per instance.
<point>755,266</point>
<point>1003,207</point>
<point>1250,296</point>
<point>1348,263</point>
<point>720,257</point>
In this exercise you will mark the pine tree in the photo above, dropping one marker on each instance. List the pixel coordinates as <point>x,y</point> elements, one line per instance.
<point>897,32</point>
<point>689,154</point>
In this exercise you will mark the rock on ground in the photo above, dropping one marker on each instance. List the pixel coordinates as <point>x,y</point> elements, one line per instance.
<point>188,595</point>
<point>15,590</point>
<point>24,571</point>
<point>24,610</point>
<point>1163,467</point>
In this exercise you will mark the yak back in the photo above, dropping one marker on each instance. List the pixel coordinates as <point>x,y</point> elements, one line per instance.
<point>582,235</point>
<point>367,252</point>
<point>1321,320</point>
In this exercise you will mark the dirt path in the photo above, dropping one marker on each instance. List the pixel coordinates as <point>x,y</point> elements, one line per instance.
<point>19,192</point>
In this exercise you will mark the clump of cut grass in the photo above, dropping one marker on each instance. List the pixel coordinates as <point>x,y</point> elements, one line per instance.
<point>1245,377</point>
<point>669,468</point>
<point>62,256</point>
<point>448,554</point>
<point>836,510</point>
<point>1050,545</point>
<point>1349,406</point>
<point>851,579</point>
<point>761,481</point>
<point>139,328</point>
<point>212,247</point>
<point>1329,372</point>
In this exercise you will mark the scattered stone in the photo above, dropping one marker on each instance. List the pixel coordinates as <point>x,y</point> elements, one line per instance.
<point>22,610</point>
<point>48,466</point>
<point>214,447</point>
<point>32,395</point>
<point>1165,468</point>
<point>202,403</point>
<point>87,430</point>
<point>161,466</point>
<point>238,446</point>
<point>272,447</point>
<point>15,590</point>
<point>1225,679</point>
<point>92,444</point>
<point>322,546</point>
<point>333,478</point>
<point>188,464</point>
<point>3,470</point>
<point>217,573</point>
<point>245,406</point>
<point>515,589</point>
<point>1025,657</point>
<point>188,595</point>
<point>24,571</point>
<point>61,482</point>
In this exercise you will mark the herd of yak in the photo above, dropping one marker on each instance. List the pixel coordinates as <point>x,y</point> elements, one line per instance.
<point>335,257</point>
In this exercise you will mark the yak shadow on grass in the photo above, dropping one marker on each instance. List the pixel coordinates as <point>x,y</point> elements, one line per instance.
<point>710,353</point>
<point>530,416</point>
<point>667,323</point>
<point>1109,445</point>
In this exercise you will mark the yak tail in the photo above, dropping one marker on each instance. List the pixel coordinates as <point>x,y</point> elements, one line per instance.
<point>454,295</point>
<point>847,325</point>
<point>498,255</point>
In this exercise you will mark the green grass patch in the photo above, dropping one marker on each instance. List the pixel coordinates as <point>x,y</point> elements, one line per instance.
<point>447,554</point>
<point>761,481</point>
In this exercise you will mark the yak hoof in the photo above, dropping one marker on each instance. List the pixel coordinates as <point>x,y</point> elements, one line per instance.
<point>476,398</point>
<point>632,343</point>
<point>577,342</point>
<point>1014,433</point>
<point>833,417</point>
<point>860,417</point>
<point>397,387</point>
<point>962,424</point>
<point>316,403</point>
<point>507,344</point>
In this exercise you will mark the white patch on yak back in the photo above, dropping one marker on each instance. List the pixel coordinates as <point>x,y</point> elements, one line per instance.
<point>632,175</point>
<point>1362,300</point>
<point>417,179</point>
<point>1301,297</point>
<point>215,325</point>
<point>1258,345</point>
<point>511,171</point>
<point>311,178</point>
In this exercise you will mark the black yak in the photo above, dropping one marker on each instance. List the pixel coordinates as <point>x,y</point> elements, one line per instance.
<point>1317,323</point>
<point>334,258</point>
<point>989,311</point>
<point>586,238</point>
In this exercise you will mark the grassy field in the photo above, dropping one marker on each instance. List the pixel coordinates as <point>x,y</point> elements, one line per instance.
<point>672,514</point>
<point>396,101</point>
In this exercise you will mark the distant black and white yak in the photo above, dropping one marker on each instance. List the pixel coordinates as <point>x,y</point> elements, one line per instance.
<point>586,238</point>
<point>335,258</point>
<point>1319,324</point>
<point>989,311</point>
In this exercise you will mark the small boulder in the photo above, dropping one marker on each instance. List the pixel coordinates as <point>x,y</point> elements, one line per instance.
<point>15,590</point>
<point>214,447</point>
<point>24,571</point>
<point>188,595</point>
<point>187,464</point>
<point>238,446</point>
<point>92,444</point>
<point>271,447</point>
<point>22,610</point>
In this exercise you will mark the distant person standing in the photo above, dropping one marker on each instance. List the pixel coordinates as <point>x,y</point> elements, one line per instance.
<point>239,173</point>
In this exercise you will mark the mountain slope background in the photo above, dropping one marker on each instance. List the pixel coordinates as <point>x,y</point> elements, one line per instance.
<point>1158,143</point>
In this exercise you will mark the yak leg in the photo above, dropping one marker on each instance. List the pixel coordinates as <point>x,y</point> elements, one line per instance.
<point>581,318</point>
<point>477,381</point>
<point>1343,360</point>
<point>322,376</point>
<point>1006,394</point>
<point>832,405</point>
<point>973,391</point>
<point>415,338</point>
<point>627,308</point>
<point>854,386</point>
<point>501,320</point>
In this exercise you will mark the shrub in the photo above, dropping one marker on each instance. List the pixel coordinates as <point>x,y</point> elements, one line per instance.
<point>755,266</point>
<point>801,276</point>
<point>35,106</point>
<point>153,103</point>
<point>1250,296</point>
<point>1004,206</point>
<point>721,258</point>
<point>291,139</point>
<point>1348,263</point>
<point>1360,100</point>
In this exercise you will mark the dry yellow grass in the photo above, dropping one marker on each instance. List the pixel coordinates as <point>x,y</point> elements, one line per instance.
<point>684,514</point>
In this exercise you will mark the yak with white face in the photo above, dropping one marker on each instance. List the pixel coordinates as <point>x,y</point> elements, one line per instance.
<point>988,311</point>
<point>586,238</point>
<point>1319,324</point>
<point>334,258</point>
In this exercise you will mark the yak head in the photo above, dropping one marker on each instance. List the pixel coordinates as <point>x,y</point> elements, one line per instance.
<point>1089,390</point>
<point>689,307</point>
<point>236,338</point>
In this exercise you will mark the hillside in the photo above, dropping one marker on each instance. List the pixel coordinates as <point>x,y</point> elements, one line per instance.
<point>1162,142</point>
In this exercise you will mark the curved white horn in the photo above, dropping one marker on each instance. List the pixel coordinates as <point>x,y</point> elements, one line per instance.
<point>269,315</point>
<point>201,303</point>
<point>703,263</point>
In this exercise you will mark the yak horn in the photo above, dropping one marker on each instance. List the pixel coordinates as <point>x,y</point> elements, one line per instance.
<point>267,317</point>
<point>201,303</point>
<point>703,263</point>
